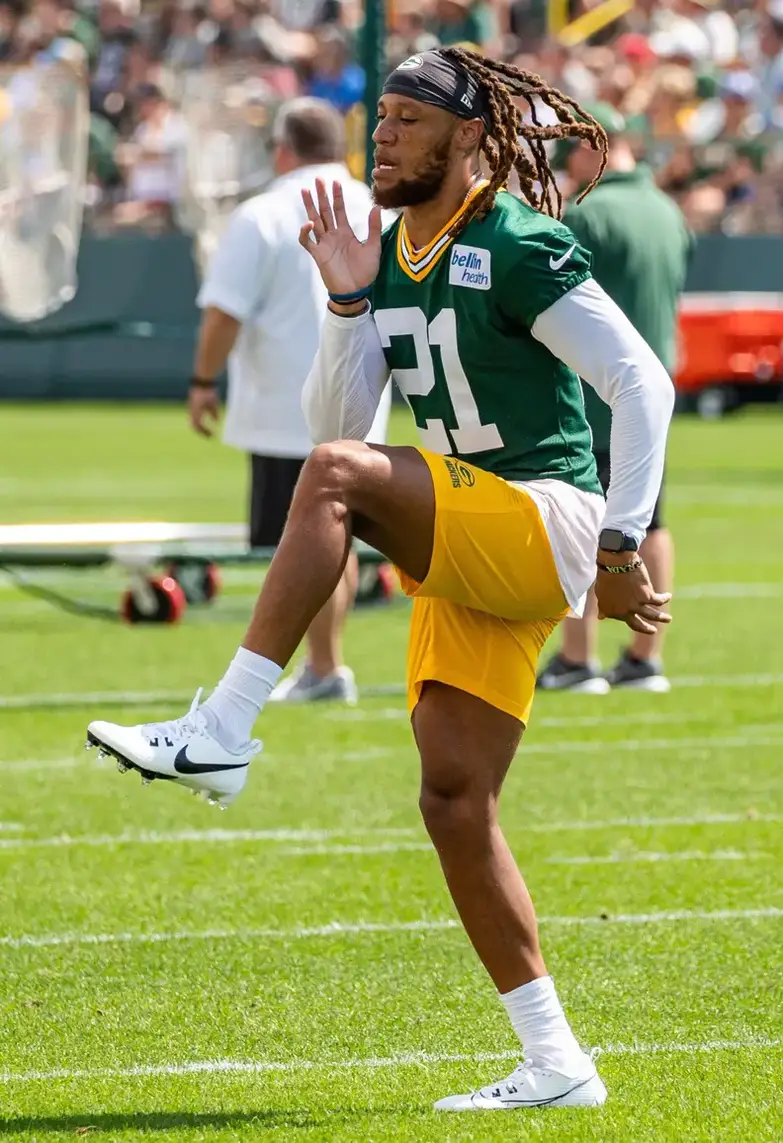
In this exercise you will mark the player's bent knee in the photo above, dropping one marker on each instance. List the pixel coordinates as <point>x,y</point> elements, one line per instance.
<point>455,817</point>
<point>334,467</point>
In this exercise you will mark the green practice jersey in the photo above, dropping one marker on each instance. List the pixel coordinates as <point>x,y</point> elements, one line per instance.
<point>455,322</point>
<point>640,247</point>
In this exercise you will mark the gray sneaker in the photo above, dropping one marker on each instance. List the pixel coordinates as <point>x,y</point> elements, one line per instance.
<point>303,685</point>
<point>580,678</point>
<point>638,675</point>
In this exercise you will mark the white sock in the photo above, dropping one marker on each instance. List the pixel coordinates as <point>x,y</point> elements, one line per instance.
<point>538,1019</point>
<point>239,698</point>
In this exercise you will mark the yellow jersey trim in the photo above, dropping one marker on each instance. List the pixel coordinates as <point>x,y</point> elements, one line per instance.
<point>417,264</point>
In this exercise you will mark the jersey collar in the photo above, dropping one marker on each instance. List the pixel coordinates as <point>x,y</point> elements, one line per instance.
<point>417,264</point>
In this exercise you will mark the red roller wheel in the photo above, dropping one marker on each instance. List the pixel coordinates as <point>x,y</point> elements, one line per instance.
<point>212,582</point>
<point>387,581</point>
<point>201,583</point>
<point>376,584</point>
<point>156,600</point>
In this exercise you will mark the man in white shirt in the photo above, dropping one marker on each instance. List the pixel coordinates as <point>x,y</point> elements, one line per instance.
<point>264,303</point>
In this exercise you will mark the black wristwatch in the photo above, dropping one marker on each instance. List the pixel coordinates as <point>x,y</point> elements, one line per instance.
<point>613,540</point>
<point>202,383</point>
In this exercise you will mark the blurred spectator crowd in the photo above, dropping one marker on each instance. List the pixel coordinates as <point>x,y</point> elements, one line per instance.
<point>700,84</point>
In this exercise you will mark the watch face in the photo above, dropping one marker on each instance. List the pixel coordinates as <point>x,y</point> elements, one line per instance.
<point>611,540</point>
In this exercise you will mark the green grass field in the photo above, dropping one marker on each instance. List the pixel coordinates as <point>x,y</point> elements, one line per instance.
<point>291,969</point>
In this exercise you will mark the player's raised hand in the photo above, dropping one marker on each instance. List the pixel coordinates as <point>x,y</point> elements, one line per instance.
<point>630,597</point>
<point>346,264</point>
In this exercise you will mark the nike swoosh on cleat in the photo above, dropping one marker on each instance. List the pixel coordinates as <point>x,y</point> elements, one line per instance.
<point>183,765</point>
<point>556,263</point>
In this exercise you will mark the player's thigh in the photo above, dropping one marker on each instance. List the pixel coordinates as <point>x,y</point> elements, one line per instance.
<point>273,481</point>
<point>494,660</point>
<point>465,744</point>
<point>389,493</point>
<point>491,551</point>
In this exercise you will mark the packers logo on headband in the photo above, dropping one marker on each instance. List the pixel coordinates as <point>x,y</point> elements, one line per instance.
<point>411,63</point>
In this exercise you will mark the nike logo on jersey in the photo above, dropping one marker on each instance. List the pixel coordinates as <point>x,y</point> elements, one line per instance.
<point>470,266</point>
<point>556,263</point>
<point>183,765</point>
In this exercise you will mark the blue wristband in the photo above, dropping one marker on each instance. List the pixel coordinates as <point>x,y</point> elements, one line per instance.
<point>347,299</point>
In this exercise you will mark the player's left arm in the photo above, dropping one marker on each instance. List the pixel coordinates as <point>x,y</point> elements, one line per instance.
<point>591,334</point>
<point>586,330</point>
<point>548,288</point>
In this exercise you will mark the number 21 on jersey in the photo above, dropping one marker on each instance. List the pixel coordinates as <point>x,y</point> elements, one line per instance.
<point>410,321</point>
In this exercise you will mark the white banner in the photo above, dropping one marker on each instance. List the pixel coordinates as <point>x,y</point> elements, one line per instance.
<point>44,135</point>
<point>229,113</point>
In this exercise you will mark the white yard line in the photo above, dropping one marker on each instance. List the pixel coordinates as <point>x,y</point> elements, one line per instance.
<point>765,680</point>
<point>90,762</point>
<point>648,823</point>
<point>93,698</point>
<point>653,857</point>
<point>370,753</point>
<point>371,1063</point>
<point>33,764</point>
<point>354,850</point>
<point>703,742</point>
<point>343,929</point>
<point>158,698</point>
<point>317,836</point>
<point>201,837</point>
<point>560,722</point>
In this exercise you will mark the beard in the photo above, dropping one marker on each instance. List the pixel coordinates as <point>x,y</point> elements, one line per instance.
<point>424,185</point>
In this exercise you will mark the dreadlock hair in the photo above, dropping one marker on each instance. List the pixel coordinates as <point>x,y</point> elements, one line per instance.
<point>504,141</point>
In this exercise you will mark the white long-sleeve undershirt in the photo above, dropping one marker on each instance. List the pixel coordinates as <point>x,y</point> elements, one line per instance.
<point>347,380</point>
<point>585,330</point>
<point>590,333</point>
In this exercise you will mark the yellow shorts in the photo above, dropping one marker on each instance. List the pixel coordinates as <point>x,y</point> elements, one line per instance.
<point>492,596</point>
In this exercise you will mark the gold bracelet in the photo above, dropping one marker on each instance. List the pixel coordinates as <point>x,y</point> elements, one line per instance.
<point>619,569</point>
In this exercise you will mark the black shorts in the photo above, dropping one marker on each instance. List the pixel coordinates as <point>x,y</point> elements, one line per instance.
<point>272,483</point>
<point>602,461</point>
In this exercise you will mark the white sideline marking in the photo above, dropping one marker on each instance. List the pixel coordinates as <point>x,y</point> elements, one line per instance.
<point>38,764</point>
<point>581,746</point>
<point>766,680</point>
<point>337,850</point>
<point>656,718</point>
<point>208,836</point>
<point>231,836</point>
<point>367,754</point>
<point>88,698</point>
<point>157,698</point>
<point>342,929</point>
<point>641,856</point>
<point>704,742</point>
<point>652,823</point>
<point>11,827</point>
<point>407,1059</point>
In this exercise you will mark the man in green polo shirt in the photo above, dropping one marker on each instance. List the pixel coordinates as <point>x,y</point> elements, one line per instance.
<point>640,248</point>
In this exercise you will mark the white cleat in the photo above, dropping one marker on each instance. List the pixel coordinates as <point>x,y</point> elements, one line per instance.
<point>531,1085</point>
<point>181,751</point>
